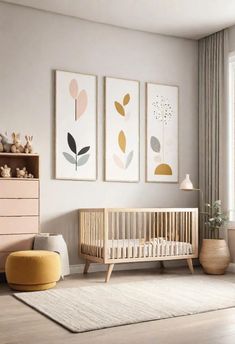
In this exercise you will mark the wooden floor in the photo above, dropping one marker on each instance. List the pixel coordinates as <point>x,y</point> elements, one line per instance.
<point>19,324</point>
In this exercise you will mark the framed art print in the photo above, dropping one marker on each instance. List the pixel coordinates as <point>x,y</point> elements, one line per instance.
<point>162,133</point>
<point>121,130</point>
<point>76,126</point>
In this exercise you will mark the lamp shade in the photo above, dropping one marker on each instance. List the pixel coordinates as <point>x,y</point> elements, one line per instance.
<point>186,184</point>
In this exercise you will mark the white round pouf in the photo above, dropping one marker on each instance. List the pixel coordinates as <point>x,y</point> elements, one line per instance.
<point>55,243</point>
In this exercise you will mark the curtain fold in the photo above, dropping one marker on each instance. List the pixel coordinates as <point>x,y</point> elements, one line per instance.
<point>212,119</point>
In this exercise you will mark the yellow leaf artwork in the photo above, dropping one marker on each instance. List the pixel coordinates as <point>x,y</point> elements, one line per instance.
<point>119,108</point>
<point>126,99</point>
<point>122,141</point>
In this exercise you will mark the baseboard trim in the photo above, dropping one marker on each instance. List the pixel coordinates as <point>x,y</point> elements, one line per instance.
<point>95,267</point>
<point>231,267</point>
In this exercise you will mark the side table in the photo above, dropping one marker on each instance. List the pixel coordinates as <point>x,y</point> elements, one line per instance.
<point>56,243</point>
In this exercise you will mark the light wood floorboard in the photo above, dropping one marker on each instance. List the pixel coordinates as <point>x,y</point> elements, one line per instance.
<point>19,324</point>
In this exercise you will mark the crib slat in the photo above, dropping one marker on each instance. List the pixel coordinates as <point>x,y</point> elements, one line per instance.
<point>150,234</point>
<point>134,233</point>
<point>182,228</point>
<point>88,230</point>
<point>166,226</point>
<point>170,226</point>
<point>117,231</point>
<point>102,234</point>
<point>105,234</point>
<point>186,225</point>
<point>128,234</point>
<point>97,232</point>
<point>92,231</point>
<point>123,234</point>
<point>155,226</point>
<point>139,233</point>
<point>173,226</point>
<point>188,214</point>
<point>144,233</point>
<point>95,236</point>
<point>112,227</point>
<point>190,232</point>
<point>101,230</point>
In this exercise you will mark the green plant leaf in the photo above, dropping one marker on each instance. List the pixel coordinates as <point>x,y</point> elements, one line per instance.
<point>119,108</point>
<point>83,160</point>
<point>69,158</point>
<point>83,150</point>
<point>155,144</point>
<point>72,143</point>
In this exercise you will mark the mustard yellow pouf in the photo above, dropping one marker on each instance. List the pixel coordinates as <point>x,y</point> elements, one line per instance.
<point>33,270</point>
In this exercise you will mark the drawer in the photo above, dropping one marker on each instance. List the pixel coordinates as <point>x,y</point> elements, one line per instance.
<point>16,242</point>
<point>19,188</point>
<point>18,207</point>
<point>20,224</point>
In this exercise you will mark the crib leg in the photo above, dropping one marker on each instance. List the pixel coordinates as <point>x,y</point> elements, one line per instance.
<point>86,267</point>
<point>109,272</point>
<point>161,264</point>
<point>190,265</point>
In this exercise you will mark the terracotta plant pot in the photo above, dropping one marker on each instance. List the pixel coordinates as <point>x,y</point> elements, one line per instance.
<point>214,256</point>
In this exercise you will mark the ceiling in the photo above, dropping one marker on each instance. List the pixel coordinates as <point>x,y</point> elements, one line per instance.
<point>182,18</point>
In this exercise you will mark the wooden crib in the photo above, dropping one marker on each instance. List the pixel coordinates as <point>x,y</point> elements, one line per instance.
<point>113,235</point>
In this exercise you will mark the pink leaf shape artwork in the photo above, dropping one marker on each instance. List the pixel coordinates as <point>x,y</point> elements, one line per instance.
<point>73,88</point>
<point>81,104</point>
<point>118,161</point>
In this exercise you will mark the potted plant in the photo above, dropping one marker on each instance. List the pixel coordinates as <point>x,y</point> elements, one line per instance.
<point>214,256</point>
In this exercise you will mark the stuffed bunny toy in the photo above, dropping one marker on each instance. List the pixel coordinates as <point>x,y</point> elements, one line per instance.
<point>28,147</point>
<point>5,171</point>
<point>16,146</point>
<point>5,143</point>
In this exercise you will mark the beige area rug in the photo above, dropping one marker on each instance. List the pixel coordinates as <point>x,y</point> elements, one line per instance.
<point>108,305</point>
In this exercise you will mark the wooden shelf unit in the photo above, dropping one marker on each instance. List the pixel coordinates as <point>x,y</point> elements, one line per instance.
<point>20,160</point>
<point>19,205</point>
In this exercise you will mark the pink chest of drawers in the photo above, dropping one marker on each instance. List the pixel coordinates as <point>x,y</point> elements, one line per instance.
<point>19,207</point>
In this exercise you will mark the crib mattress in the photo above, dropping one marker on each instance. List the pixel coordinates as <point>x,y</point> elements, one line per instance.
<point>135,248</point>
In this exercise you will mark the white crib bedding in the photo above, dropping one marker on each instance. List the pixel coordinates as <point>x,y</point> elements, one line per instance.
<point>139,248</point>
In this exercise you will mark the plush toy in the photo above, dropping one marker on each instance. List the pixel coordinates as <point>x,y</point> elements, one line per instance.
<point>21,173</point>
<point>1,145</point>
<point>5,171</point>
<point>16,146</point>
<point>5,143</point>
<point>28,147</point>
<point>30,175</point>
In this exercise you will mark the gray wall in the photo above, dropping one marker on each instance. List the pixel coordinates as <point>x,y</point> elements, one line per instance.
<point>35,43</point>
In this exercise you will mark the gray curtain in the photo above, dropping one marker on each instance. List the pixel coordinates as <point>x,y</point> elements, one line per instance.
<point>212,111</point>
